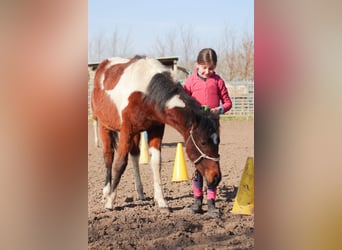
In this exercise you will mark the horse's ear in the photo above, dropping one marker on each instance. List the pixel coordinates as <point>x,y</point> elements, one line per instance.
<point>197,119</point>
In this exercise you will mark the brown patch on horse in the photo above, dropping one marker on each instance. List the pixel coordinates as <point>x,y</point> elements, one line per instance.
<point>114,73</point>
<point>138,112</point>
<point>105,109</point>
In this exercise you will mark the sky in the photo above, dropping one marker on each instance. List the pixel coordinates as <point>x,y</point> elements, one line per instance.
<point>146,20</point>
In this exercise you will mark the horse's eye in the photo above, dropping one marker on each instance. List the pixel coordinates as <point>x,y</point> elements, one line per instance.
<point>203,143</point>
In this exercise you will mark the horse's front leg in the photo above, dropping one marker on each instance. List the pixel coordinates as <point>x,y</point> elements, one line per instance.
<point>155,136</point>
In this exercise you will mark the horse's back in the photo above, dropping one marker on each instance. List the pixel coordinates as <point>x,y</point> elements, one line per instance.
<point>116,79</point>
<point>134,73</point>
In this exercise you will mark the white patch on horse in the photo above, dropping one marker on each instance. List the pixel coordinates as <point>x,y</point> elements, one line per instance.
<point>136,77</point>
<point>214,138</point>
<point>112,61</point>
<point>138,183</point>
<point>106,197</point>
<point>109,196</point>
<point>106,190</point>
<point>116,60</point>
<point>175,101</point>
<point>155,165</point>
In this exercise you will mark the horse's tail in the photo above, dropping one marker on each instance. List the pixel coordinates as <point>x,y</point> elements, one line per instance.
<point>95,122</point>
<point>96,136</point>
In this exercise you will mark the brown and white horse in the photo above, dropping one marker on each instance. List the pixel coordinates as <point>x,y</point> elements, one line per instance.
<point>138,94</point>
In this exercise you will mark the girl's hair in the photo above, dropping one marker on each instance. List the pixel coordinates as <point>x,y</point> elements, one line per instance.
<point>207,55</point>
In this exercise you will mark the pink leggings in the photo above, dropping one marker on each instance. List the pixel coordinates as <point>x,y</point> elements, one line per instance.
<point>197,186</point>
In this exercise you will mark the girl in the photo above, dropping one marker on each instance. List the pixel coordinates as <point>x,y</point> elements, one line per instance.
<point>210,91</point>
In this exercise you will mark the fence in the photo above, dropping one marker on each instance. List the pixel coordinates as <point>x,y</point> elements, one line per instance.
<point>242,96</point>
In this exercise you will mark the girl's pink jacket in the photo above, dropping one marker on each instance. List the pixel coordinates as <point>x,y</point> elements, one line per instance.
<point>209,92</point>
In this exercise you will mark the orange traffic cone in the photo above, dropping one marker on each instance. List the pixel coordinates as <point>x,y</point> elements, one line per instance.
<point>180,172</point>
<point>143,159</point>
<point>244,200</point>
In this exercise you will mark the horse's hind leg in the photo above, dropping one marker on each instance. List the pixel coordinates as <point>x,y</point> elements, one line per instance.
<point>135,153</point>
<point>120,163</point>
<point>108,140</point>
<point>155,135</point>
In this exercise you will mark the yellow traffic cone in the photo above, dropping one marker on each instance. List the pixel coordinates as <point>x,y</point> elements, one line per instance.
<point>180,173</point>
<point>143,159</point>
<point>244,200</point>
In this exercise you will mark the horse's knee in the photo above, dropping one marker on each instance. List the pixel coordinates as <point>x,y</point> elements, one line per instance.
<point>120,166</point>
<point>118,170</point>
<point>108,158</point>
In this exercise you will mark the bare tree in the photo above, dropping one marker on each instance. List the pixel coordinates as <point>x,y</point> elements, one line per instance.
<point>159,47</point>
<point>248,57</point>
<point>121,45</point>
<point>189,46</point>
<point>126,45</point>
<point>116,45</point>
<point>166,46</point>
<point>181,42</point>
<point>97,48</point>
<point>227,55</point>
<point>236,59</point>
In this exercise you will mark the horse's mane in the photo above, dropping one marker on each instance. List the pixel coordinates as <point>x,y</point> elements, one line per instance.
<point>162,88</point>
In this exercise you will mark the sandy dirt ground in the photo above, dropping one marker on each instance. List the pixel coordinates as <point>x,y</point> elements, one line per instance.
<point>137,224</point>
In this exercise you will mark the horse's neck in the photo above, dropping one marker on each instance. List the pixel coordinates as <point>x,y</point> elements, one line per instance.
<point>179,121</point>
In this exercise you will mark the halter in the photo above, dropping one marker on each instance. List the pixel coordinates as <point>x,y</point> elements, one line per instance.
<point>203,155</point>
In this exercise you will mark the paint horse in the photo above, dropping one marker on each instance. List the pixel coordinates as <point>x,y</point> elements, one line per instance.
<point>139,94</point>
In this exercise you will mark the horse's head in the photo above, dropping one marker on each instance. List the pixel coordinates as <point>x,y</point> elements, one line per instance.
<point>202,147</point>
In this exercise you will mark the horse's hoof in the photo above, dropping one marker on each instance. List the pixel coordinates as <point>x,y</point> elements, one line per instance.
<point>165,210</point>
<point>140,198</point>
<point>109,206</point>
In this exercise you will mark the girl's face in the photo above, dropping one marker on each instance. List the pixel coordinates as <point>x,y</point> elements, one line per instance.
<point>206,70</point>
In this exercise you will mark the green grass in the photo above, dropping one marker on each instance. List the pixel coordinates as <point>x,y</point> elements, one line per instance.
<point>236,118</point>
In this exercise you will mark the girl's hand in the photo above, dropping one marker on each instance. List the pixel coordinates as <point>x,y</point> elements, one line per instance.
<point>216,111</point>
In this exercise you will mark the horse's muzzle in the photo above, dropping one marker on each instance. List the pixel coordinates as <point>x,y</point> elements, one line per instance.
<point>215,182</point>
